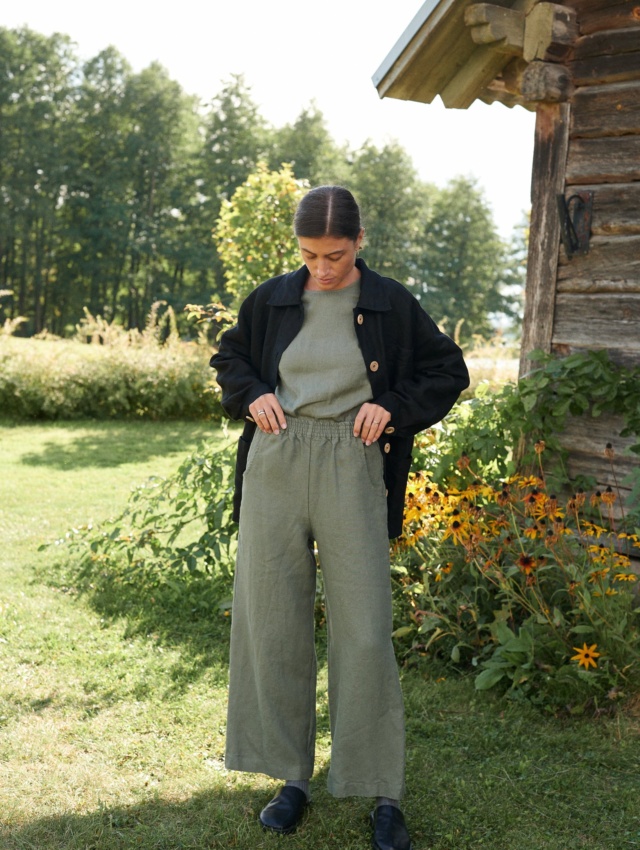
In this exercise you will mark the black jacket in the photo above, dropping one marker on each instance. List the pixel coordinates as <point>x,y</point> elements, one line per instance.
<point>416,372</point>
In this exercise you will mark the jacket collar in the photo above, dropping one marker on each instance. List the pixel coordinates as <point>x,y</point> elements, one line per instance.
<point>373,292</point>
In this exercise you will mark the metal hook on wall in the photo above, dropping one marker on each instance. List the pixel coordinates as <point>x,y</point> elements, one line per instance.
<point>575,222</point>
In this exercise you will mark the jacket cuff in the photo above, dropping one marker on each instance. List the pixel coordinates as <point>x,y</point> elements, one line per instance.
<point>256,391</point>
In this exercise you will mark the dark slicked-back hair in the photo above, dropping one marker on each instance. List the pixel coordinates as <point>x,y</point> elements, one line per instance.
<point>328,211</point>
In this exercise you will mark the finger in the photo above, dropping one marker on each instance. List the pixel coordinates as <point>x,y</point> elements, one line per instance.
<point>379,419</point>
<point>371,430</point>
<point>270,421</point>
<point>278,412</point>
<point>359,423</point>
<point>259,414</point>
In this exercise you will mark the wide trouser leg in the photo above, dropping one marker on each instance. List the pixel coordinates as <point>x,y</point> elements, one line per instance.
<point>365,699</point>
<point>315,481</point>
<point>272,671</point>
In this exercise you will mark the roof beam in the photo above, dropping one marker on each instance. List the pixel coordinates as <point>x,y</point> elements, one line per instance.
<point>550,32</point>
<point>502,28</point>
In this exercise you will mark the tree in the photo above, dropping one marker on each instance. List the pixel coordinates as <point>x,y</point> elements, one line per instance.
<point>163,133</point>
<point>393,202</point>
<point>99,200</point>
<point>254,232</point>
<point>308,146</point>
<point>236,138</point>
<point>464,267</point>
<point>36,75</point>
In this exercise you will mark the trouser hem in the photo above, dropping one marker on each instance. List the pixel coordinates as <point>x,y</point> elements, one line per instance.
<point>250,765</point>
<point>375,788</point>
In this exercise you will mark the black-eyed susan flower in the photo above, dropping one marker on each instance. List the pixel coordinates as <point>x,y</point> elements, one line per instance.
<point>529,481</point>
<point>590,529</point>
<point>527,564</point>
<point>586,656</point>
<point>458,531</point>
<point>463,461</point>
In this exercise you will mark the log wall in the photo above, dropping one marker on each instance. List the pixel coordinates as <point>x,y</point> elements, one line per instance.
<point>597,301</point>
<point>597,295</point>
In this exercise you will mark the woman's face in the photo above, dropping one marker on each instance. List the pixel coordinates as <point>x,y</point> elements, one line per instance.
<point>330,261</point>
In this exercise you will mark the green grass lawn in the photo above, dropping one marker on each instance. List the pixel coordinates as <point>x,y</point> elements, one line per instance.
<point>112,723</point>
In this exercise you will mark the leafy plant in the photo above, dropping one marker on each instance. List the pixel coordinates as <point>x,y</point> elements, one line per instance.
<point>499,430</point>
<point>530,584</point>
<point>254,232</point>
<point>148,374</point>
<point>175,533</point>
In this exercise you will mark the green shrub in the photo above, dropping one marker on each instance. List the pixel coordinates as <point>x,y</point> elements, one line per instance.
<point>527,581</point>
<point>529,589</point>
<point>174,539</point>
<point>64,379</point>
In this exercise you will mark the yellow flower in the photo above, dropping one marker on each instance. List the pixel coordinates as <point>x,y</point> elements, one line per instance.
<point>625,577</point>
<point>592,530</point>
<point>527,564</point>
<point>530,481</point>
<point>586,656</point>
<point>458,531</point>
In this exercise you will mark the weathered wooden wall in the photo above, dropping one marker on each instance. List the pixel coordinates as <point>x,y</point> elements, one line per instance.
<point>597,295</point>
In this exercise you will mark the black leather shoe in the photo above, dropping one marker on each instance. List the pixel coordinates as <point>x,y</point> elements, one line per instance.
<point>389,829</point>
<point>284,812</point>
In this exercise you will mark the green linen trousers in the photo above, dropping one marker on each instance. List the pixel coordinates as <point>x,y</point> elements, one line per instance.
<point>315,481</point>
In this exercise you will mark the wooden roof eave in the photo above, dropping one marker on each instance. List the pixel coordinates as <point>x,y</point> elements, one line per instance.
<point>436,55</point>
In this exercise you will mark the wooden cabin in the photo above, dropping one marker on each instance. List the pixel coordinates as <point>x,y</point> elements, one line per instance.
<point>578,66</point>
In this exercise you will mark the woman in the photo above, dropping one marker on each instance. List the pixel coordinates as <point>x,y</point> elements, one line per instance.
<point>334,368</point>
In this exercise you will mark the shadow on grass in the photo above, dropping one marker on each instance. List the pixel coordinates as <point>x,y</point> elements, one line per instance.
<point>224,817</point>
<point>107,444</point>
<point>189,619</point>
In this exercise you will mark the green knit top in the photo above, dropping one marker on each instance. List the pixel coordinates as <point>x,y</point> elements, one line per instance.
<point>322,374</point>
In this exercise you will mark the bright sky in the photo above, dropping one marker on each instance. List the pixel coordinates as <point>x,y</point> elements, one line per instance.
<point>292,52</point>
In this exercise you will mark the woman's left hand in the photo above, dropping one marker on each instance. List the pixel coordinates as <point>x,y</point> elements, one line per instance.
<point>370,422</point>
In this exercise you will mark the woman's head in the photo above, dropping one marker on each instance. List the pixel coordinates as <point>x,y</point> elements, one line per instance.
<point>327,224</point>
<point>328,211</point>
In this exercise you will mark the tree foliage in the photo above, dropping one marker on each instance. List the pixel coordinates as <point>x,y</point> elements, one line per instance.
<point>254,231</point>
<point>463,268</point>
<point>394,204</point>
<point>112,182</point>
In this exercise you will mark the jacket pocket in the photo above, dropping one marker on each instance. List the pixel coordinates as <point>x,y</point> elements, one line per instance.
<point>242,453</point>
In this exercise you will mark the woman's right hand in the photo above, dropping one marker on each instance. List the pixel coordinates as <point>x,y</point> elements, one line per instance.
<point>267,414</point>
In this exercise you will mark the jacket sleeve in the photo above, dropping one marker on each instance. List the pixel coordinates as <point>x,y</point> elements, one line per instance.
<point>430,374</point>
<point>237,364</point>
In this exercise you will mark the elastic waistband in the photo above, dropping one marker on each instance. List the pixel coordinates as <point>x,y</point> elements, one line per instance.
<point>319,427</point>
